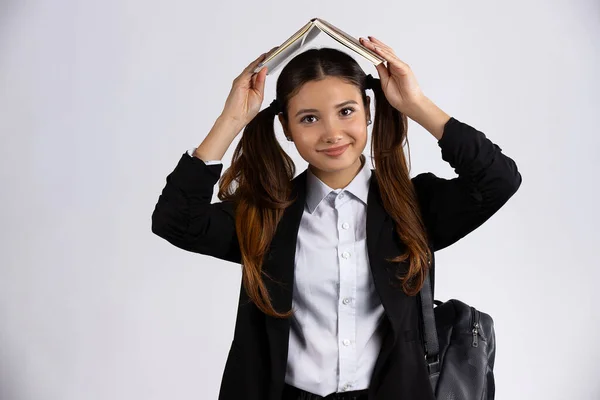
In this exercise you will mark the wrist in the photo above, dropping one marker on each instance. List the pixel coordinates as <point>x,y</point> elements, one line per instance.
<point>230,123</point>
<point>419,108</point>
<point>427,114</point>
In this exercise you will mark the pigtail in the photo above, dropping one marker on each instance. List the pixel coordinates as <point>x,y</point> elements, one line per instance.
<point>397,191</point>
<point>263,173</point>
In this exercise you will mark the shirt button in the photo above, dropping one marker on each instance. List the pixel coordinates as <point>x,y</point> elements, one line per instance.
<point>346,300</point>
<point>345,225</point>
<point>341,196</point>
<point>346,342</point>
<point>345,254</point>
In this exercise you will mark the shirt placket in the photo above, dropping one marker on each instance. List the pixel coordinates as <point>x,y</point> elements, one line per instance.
<point>347,292</point>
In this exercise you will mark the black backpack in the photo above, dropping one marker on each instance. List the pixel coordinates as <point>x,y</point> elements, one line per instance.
<point>460,347</point>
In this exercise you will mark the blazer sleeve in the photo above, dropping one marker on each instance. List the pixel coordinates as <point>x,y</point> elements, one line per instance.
<point>452,208</point>
<point>185,217</point>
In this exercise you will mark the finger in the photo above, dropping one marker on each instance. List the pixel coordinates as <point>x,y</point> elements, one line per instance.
<point>276,47</point>
<point>260,81</point>
<point>391,58</point>
<point>383,72</point>
<point>379,43</point>
<point>387,50</point>
<point>383,46</point>
<point>372,45</point>
<point>245,74</point>
<point>254,64</point>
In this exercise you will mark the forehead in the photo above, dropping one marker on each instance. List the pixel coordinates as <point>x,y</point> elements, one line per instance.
<point>324,92</point>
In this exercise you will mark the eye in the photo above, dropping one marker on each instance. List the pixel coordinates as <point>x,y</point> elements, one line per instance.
<point>348,108</point>
<point>345,115</point>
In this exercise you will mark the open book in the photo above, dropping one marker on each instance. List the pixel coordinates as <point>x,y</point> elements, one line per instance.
<point>279,55</point>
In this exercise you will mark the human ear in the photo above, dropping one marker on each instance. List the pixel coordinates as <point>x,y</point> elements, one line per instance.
<point>283,123</point>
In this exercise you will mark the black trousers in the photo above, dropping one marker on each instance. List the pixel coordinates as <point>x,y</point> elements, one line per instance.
<point>293,393</point>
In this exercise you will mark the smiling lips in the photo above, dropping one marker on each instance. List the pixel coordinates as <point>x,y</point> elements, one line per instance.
<point>335,151</point>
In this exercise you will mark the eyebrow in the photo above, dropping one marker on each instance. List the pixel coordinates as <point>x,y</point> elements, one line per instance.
<point>304,110</point>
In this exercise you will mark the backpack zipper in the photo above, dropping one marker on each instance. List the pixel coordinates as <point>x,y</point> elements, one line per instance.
<point>475,323</point>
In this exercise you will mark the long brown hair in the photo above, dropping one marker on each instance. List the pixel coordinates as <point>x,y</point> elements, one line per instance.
<point>259,178</point>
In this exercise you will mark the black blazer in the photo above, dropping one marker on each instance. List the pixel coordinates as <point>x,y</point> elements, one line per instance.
<point>451,208</point>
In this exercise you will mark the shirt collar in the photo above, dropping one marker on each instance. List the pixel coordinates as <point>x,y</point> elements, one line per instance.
<point>317,190</point>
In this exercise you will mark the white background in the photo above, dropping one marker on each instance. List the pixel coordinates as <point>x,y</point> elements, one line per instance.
<point>98,101</point>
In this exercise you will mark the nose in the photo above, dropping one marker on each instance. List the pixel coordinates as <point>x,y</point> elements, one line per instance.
<point>332,133</point>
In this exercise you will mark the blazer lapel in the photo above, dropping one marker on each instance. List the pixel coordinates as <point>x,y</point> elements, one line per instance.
<point>380,245</point>
<point>380,229</point>
<point>279,266</point>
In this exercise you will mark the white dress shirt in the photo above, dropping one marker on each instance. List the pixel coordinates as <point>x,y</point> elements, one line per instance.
<point>208,162</point>
<point>336,330</point>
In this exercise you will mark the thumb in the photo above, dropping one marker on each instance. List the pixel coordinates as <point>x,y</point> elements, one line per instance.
<point>383,72</point>
<point>261,77</point>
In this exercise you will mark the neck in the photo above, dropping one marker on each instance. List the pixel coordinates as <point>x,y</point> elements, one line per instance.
<point>338,179</point>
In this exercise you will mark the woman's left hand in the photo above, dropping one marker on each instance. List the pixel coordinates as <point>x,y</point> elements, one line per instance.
<point>398,82</point>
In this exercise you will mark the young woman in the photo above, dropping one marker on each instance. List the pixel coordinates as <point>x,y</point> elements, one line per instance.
<point>332,259</point>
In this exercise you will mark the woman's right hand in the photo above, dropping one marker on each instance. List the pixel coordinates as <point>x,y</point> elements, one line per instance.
<point>247,93</point>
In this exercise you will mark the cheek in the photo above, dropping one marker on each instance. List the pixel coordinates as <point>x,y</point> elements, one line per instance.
<point>304,145</point>
<point>359,135</point>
